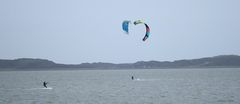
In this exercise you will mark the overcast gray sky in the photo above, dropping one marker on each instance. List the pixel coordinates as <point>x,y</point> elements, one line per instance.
<point>77,31</point>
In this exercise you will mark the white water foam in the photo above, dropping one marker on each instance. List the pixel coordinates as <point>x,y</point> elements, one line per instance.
<point>138,79</point>
<point>49,88</point>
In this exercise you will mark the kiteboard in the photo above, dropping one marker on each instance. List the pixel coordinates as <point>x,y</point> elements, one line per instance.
<point>48,88</point>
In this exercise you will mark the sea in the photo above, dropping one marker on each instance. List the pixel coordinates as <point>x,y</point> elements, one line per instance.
<point>149,86</point>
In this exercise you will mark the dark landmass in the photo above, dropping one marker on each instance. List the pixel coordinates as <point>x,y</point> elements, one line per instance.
<point>222,61</point>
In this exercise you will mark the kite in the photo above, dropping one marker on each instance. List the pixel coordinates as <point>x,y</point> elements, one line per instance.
<point>138,22</point>
<point>147,32</point>
<point>125,26</point>
<point>147,28</point>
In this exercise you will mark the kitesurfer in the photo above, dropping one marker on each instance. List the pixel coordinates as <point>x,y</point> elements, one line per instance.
<point>132,78</point>
<point>45,84</point>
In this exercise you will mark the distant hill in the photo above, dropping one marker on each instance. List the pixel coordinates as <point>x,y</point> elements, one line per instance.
<point>27,63</point>
<point>222,61</point>
<point>208,62</point>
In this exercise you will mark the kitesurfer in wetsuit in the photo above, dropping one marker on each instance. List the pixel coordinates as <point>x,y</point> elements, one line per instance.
<point>132,78</point>
<point>45,84</point>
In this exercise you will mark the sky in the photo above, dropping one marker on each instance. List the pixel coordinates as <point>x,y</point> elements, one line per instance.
<point>79,31</point>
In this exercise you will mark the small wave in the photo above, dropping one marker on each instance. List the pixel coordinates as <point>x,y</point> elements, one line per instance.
<point>226,101</point>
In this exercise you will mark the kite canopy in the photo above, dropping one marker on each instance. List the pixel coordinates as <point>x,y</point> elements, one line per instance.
<point>147,28</point>
<point>125,25</point>
<point>147,32</point>
<point>138,22</point>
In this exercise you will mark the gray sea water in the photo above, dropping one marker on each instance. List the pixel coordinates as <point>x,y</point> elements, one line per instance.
<point>151,86</point>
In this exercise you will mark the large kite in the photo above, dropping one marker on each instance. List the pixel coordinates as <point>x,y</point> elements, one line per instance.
<point>125,26</point>
<point>147,28</point>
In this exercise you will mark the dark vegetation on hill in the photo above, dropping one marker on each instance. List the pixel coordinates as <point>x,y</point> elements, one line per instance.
<point>222,61</point>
